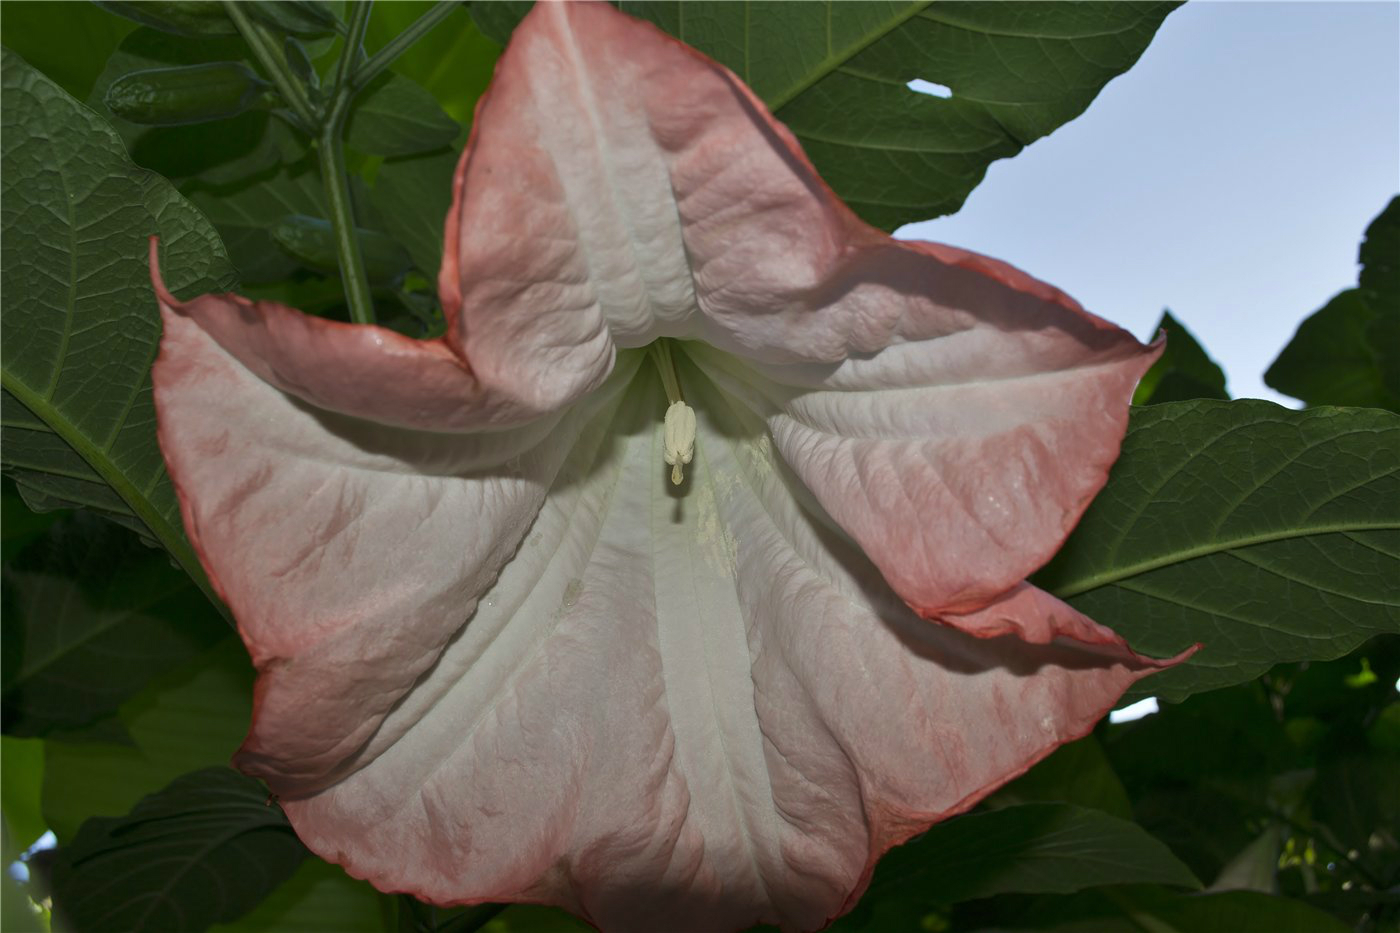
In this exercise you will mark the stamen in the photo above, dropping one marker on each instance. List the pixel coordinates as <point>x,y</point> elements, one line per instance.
<point>679,436</point>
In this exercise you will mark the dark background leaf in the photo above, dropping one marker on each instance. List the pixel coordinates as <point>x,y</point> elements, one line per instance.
<point>394,116</point>
<point>207,848</point>
<point>89,37</point>
<point>91,615</point>
<point>454,62</point>
<point>1348,352</point>
<point>1032,848</point>
<point>1077,773</point>
<point>192,716</point>
<point>413,195</point>
<point>1183,371</point>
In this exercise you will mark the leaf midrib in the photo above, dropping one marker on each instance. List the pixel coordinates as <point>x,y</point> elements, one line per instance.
<point>1127,571</point>
<point>169,536</point>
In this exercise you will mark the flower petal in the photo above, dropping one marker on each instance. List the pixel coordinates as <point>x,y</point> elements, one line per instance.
<point>960,456</point>
<point>660,198</point>
<point>349,551</point>
<point>620,186</point>
<point>690,710</point>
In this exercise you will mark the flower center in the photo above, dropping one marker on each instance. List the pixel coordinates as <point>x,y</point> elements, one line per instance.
<point>679,441</point>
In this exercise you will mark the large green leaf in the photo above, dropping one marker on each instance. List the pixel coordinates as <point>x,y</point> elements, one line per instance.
<point>837,75</point>
<point>1348,353</point>
<point>94,614</point>
<point>1182,372</point>
<point>1036,848</point>
<point>1266,535</point>
<point>206,849</point>
<point>194,717</point>
<point>80,319</point>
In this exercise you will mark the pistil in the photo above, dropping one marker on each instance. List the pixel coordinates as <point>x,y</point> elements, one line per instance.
<point>679,433</point>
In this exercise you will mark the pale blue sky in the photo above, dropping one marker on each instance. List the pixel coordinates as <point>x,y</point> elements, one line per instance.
<point>1228,176</point>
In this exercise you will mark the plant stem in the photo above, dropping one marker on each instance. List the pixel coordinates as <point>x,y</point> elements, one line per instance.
<point>400,43</point>
<point>331,153</point>
<point>270,56</point>
<point>354,43</point>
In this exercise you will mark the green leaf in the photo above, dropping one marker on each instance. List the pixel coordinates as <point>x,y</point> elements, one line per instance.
<point>1348,352</point>
<point>307,19</point>
<point>454,62</point>
<point>1200,772</point>
<point>497,20</point>
<point>1355,795</point>
<point>394,116</point>
<point>1077,773</point>
<point>1183,372</point>
<point>81,326</point>
<point>245,213</point>
<point>20,525</point>
<point>837,75</point>
<point>184,18</point>
<point>1265,534</point>
<point>413,195</point>
<point>95,615</point>
<point>319,898</point>
<point>312,240</point>
<point>206,849</point>
<point>21,780</point>
<point>1037,848</point>
<point>89,36</point>
<point>532,918</point>
<point>1136,911</point>
<point>194,717</point>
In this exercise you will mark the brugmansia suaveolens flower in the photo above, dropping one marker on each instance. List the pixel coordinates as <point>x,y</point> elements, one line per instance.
<point>684,575</point>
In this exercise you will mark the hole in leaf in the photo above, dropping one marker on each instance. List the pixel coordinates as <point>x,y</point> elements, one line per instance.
<point>920,86</point>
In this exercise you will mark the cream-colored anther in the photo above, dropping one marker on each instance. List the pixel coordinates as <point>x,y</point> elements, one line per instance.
<point>680,438</point>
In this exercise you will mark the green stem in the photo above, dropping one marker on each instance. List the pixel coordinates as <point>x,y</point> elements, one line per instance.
<point>354,43</point>
<point>331,153</point>
<point>400,43</point>
<point>270,56</point>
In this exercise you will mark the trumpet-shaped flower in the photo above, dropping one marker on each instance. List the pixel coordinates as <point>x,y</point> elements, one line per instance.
<point>684,575</point>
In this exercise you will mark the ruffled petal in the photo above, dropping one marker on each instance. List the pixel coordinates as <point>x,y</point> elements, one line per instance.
<point>693,709</point>
<point>348,551</point>
<point>364,371</point>
<point>620,187</point>
<point>960,456</point>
